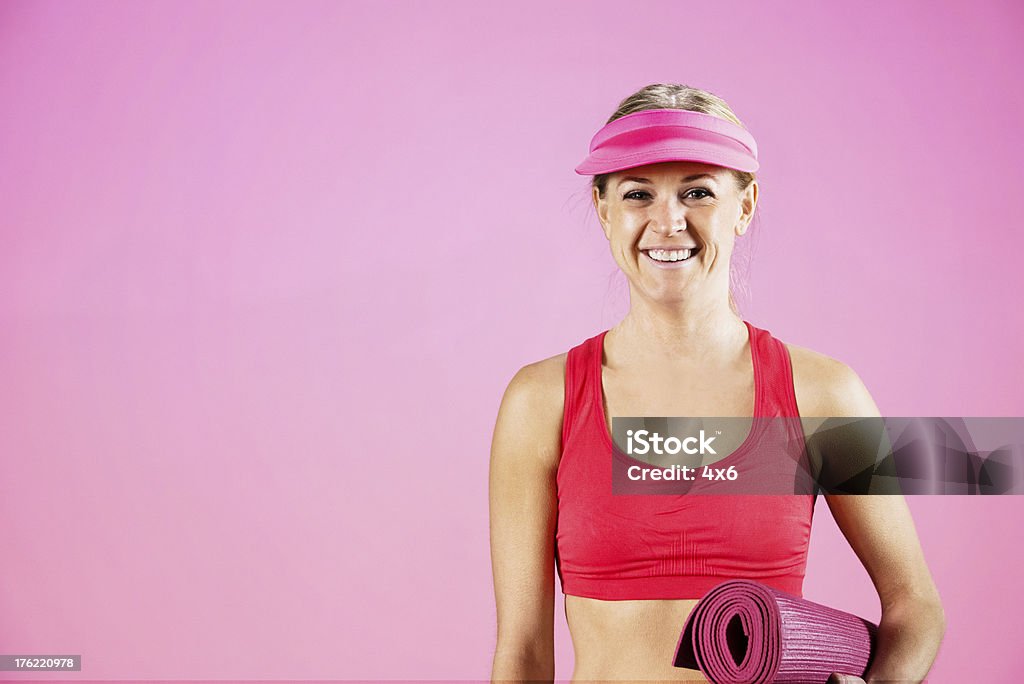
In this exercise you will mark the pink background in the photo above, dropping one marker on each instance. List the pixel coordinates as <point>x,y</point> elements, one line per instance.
<point>266,269</point>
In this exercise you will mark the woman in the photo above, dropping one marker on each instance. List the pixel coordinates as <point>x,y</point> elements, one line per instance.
<point>681,191</point>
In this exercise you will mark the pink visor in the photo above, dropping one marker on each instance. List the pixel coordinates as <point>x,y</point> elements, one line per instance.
<point>660,135</point>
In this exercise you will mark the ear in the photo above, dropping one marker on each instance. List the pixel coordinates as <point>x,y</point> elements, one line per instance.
<point>601,207</point>
<point>748,203</point>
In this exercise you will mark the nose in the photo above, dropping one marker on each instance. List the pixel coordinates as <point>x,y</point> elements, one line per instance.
<point>669,218</point>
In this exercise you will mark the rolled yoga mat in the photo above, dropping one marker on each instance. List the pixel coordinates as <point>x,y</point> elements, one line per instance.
<point>744,631</point>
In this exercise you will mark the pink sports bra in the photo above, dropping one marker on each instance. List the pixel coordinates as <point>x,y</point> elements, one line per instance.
<point>671,546</point>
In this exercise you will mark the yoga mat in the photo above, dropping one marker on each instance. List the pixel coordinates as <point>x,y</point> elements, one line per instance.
<point>744,631</point>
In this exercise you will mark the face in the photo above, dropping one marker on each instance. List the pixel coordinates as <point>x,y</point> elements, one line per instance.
<point>671,227</point>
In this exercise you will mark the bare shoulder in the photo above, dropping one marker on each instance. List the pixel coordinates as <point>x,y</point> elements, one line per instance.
<point>529,421</point>
<point>541,384</point>
<point>546,374</point>
<point>825,386</point>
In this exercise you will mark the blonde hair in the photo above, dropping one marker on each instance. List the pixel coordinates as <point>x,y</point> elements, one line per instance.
<point>678,96</point>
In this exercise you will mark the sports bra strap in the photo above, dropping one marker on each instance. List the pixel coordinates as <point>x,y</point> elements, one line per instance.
<point>578,364</point>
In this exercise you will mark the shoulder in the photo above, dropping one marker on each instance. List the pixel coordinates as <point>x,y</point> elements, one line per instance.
<point>529,421</point>
<point>828,387</point>
<point>539,383</point>
<point>534,400</point>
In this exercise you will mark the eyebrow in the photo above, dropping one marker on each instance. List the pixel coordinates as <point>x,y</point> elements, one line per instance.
<point>638,179</point>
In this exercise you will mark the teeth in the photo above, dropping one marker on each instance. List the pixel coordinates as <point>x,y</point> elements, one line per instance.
<point>669,255</point>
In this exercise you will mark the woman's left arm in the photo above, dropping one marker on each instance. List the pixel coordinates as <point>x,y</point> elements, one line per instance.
<point>881,532</point>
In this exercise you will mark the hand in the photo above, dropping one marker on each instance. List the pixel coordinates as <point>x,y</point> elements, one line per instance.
<point>838,678</point>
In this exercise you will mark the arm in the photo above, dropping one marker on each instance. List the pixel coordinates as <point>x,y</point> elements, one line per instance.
<point>523,508</point>
<point>881,532</point>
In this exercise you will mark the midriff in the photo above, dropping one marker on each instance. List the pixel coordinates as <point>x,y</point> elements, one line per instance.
<point>644,634</point>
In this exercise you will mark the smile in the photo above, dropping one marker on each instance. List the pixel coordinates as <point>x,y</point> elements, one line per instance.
<point>673,257</point>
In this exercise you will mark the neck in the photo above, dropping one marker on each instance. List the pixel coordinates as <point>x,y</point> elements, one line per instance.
<point>682,331</point>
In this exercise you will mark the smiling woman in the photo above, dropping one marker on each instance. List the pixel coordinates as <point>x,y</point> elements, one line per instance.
<point>673,188</point>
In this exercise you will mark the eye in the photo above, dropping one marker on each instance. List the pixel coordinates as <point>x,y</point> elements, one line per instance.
<point>629,195</point>
<point>705,191</point>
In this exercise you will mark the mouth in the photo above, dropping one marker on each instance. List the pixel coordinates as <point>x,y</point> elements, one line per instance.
<point>669,257</point>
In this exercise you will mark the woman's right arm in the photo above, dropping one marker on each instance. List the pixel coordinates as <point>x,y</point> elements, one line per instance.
<point>523,509</point>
